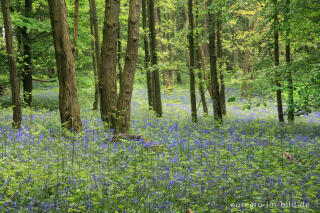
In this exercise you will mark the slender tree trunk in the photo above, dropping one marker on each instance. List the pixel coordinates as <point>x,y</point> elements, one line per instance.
<point>68,97</point>
<point>14,81</point>
<point>191,68</point>
<point>186,28</point>
<point>200,67</point>
<point>124,101</point>
<point>213,68</point>
<point>75,27</point>
<point>201,83</point>
<point>94,59</point>
<point>171,59</point>
<point>244,93</point>
<point>147,53</point>
<point>165,75</point>
<point>178,74</point>
<point>154,61</point>
<point>219,54</point>
<point>108,63</point>
<point>277,62</point>
<point>27,64</point>
<point>119,55</point>
<point>93,17</point>
<point>289,73</point>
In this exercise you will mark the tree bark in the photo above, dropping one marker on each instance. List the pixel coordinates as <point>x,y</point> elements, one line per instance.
<point>219,52</point>
<point>68,97</point>
<point>178,74</point>
<point>165,75</point>
<point>94,53</point>
<point>154,61</point>
<point>14,82</point>
<point>191,68</point>
<point>94,20</point>
<point>289,73</point>
<point>75,27</point>
<point>27,63</point>
<point>124,101</point>
<point>171,59</point>
<point>108,63</point>
<point>119,54</point>
<point>200,67</point>
<point>277,62</point>
<point>147,53</point>
<point>213,67</point>
<point>244,92</point>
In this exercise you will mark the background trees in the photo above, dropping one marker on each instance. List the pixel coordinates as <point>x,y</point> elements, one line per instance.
<point>261,48</point>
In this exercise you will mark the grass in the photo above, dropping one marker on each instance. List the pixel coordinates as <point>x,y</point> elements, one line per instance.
<point>237,167</point>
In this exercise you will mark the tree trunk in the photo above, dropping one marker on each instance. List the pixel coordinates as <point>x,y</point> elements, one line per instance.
<point>147,53</point>
<point>213,68</point>
<point>219,52</point>
<point>14,82</point>
<point>27,56</point>
<point>178,74</point>
<point>200,67</point>
<point>244,92</point>
<point>75,27</point>
<point>124,101</point>
<point>68,97</point>
<point>93,17</point>
<point>277,62</point>
<point>191,68</point>
<point>154,61</point>
<point>289,73</point>
<point>171,59</point>
<point>165,75</point>
<point>94,57</point>
<point>108,63</point>
<point>119,55</point>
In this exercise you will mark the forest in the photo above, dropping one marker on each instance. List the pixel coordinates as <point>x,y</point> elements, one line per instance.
<point>160,106</point>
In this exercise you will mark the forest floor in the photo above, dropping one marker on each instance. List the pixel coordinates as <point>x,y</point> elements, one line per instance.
<point>251,163</point>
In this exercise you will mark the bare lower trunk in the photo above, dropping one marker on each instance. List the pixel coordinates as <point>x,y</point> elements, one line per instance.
<point>147,54</point>
<point>191,68</point>
<point>154,61</point>
<point>213,69</point>
<point>165,74</point>
<point>108,63</point>
<point>276,59</point>
<point>124,101</point>
<point>14,82</point>
<point>219,54</point>
<point>244,92</point>
<point>75,27</point>
<point>27,58</point>
<point>289,73</point>
<point>96,49</point>
<point>68,97</point>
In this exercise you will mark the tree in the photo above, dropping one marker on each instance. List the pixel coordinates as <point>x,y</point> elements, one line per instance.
<point>213,67</point>
<point>277,61</point>
<point>157,105</point>
<point>14,81</point>
<point>75,27</point>
<point>191,67</point>
<point>219,55</point>
<point>108,63</point>
<point>27,57</point>
<point>68,97</point>
<point>96,49</point>
<point>147,53</point>
<point>288,61</point>
<point>126,88</point>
